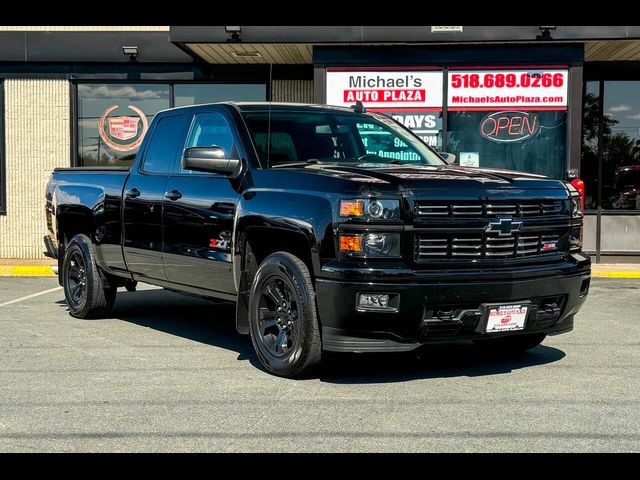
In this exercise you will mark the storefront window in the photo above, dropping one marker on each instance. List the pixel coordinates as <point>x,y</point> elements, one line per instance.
<point>530,141</point>
<point>113,118</point>
<point>621,146</point>
<point>194,94</point>
<point>590,127</point>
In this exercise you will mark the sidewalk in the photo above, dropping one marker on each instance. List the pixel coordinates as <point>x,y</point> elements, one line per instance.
<point>42,268</point>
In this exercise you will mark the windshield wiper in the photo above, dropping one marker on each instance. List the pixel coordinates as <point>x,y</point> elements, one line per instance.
<point>368,155</point>
<point>310,161</point>
<point>372,156</point>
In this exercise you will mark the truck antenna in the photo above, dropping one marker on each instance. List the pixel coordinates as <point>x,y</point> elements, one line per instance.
<point>359,107</point>
<point>269,120</point>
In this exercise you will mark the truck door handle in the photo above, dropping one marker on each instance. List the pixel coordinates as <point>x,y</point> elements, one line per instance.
<point>173,195</point>
<point>132,193</point>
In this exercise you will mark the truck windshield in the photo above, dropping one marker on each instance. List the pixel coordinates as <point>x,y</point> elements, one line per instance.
<point>358,139</point>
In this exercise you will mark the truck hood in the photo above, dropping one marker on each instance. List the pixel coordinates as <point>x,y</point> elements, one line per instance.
<point>421,177</point>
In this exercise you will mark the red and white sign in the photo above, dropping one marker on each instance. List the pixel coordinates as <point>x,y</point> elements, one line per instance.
<point>509,317</point>
<point>385,89</point>
<point>525,88</point>
<point>123,128</point>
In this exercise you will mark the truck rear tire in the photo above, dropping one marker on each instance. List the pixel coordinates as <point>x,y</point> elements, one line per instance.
<point>88,291</point>
<point>283,319</point>
<point>511,345</point>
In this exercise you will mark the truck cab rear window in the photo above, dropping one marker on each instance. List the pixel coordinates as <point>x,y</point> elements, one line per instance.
<point>163,146</point>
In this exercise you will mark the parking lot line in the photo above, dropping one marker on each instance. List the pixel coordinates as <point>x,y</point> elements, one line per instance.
<point>33,295</point>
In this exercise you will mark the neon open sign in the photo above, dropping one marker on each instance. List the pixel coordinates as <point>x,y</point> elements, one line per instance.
<point>509,126</point>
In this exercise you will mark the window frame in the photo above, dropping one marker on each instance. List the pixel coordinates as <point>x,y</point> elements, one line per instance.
<point>75,159</point>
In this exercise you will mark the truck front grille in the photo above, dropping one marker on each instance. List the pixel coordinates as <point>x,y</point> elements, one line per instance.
<point>486,245</point>
<point>487,209</point>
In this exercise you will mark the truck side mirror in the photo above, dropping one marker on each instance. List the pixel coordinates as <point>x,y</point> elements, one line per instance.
<point>450,158</point>
<point>211,160</point>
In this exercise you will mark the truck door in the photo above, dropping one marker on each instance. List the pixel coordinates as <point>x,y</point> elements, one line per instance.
<point>199,210</point>
<point>143,198</point>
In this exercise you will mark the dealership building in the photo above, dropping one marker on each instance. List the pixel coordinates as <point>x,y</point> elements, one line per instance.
<point>562,101</point>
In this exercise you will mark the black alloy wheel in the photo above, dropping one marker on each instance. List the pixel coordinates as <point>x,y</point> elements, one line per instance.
<point>76,287</point>
<point>278,316</point>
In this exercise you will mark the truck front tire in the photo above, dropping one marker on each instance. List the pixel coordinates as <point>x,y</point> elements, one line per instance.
<point>88,291</point>
<point>283,319</point>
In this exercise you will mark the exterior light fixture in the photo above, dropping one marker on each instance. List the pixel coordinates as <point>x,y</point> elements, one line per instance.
<point>132,52</point>
<point>251,53</point>
<point>546,33</point>
<point>235,33</point>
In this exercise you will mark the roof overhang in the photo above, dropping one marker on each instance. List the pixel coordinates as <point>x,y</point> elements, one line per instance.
<point>612,50</point>
<point>294,44</point>
<point>251,53</point>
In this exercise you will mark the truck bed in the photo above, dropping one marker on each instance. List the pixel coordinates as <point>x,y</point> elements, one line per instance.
<point>90,200</point>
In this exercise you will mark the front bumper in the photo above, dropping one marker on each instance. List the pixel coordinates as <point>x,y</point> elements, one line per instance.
<point>444,310</point>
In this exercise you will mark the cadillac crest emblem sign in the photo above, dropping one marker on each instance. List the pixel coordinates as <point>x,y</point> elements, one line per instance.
<point>115,131</point>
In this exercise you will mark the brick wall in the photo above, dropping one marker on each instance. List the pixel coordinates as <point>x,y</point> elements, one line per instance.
<point>36,140</point>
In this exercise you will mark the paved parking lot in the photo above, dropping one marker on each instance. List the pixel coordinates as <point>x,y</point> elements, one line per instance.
<point>168,372</point>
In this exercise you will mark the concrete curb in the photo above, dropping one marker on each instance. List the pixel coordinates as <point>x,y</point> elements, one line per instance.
<point>613,274</point>
<point>26,271</point>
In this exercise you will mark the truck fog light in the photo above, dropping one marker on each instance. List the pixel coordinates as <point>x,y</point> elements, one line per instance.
<point>378,302</point>
<point>575,239</point>
<point>382,244</point>
<point>375,209</point>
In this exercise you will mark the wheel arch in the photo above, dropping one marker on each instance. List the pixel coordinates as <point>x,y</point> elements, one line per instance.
<point>266,222</point>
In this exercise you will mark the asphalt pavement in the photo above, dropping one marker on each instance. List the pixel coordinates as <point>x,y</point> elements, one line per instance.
<point>168,373</point>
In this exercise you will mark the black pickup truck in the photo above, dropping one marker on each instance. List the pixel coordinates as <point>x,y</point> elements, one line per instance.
<point>333,229</point>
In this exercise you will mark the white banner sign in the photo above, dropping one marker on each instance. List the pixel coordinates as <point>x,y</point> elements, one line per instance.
<point>385,89</point>
<point>507,88</point>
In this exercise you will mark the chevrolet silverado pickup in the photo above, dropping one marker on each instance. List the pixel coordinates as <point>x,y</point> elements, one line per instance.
<point>334,229</point>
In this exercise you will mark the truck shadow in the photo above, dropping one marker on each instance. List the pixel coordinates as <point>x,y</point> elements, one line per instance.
<point>193,318</point>
<point>432,361</point>
<point>213,323</point>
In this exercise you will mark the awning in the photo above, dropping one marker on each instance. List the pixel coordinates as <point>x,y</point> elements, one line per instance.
<point>612,50</point>
<point>231,53</point>
<point>294,44</point>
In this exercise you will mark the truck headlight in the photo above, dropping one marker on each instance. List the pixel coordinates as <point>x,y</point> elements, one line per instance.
<point>370,244</point>
<point>576,206</point>
<point>370,209</point>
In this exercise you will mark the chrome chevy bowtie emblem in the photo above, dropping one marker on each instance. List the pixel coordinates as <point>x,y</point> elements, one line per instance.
<point>504,226</point>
